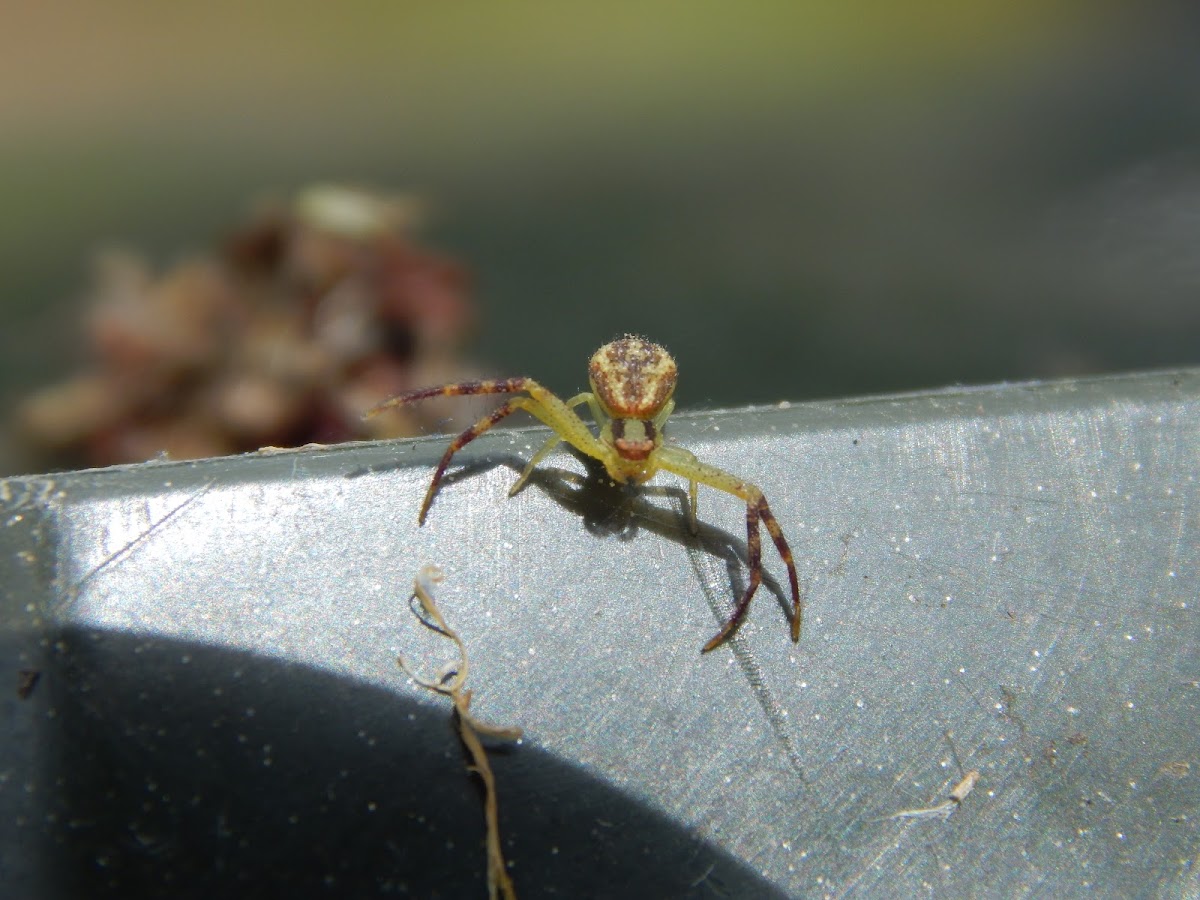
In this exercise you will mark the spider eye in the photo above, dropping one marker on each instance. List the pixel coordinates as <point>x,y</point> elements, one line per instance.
<point>633,438</point>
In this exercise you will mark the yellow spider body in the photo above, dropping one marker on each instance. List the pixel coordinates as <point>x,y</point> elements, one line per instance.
<point>632,382</point>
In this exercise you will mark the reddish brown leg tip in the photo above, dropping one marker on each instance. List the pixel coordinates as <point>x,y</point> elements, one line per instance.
<point>721,636</point>
<point>426,504</point>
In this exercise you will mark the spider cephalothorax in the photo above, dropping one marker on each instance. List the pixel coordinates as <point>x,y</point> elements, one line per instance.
<point>632,384</point>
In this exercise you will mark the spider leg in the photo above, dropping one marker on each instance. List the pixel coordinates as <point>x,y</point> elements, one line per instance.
<point>458,389</point>
<point>553,441</point>
<point>549,410</point>
<point>541,403</point>
<point>754,560</point>
<point>756,510</point>
<point>683,463</point>
<point>505,409</point>
<point>785,553</point>
<point>598,415</point>
<point>693,488</point>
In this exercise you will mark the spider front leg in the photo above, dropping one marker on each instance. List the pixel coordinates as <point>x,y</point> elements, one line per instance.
<point>683,463</point>
<point>540,403</point>
<point>693,489</point>
<point>554,440</point>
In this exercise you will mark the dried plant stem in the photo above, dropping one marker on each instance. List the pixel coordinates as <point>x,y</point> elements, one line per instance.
<point>451,684</point>
<point>944,809</point>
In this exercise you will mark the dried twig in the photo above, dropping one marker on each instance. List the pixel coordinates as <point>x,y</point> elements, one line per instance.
<point>450,683</point>
<point>941,810</point>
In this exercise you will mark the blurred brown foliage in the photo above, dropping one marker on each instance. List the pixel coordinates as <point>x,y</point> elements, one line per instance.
<point>305,316</point>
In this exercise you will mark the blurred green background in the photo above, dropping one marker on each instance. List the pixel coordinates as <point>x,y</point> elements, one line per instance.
<point>798,199</point>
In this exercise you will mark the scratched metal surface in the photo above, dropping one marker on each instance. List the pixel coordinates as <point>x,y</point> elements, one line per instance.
<point>996,580</point>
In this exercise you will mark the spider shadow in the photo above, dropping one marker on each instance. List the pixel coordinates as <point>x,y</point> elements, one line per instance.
<point>621,511</point>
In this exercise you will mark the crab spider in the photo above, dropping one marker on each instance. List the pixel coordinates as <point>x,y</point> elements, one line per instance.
<point>632,381</point>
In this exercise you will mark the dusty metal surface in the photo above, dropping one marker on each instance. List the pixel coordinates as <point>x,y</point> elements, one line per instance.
<point>996,580</point>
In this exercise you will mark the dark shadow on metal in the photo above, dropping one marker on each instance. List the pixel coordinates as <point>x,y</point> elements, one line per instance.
<point>233,774</point>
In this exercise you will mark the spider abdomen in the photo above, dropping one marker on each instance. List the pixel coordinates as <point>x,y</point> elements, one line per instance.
<point>632,378</point>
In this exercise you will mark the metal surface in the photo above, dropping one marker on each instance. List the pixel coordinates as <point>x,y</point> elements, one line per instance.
<point>999,579</point>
